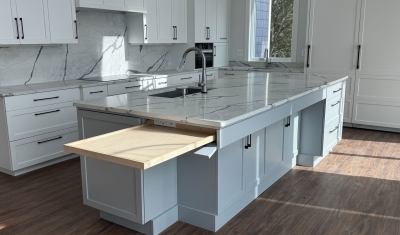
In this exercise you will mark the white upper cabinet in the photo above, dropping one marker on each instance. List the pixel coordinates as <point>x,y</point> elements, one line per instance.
<point>212,20</point>
<point>8,23</point>
<point>332,36</point>
<point>379,38</point>
<point>179,20</point>
<point>166,29</point>
<point>221,54</point>
<point>63,25</point>
<point>33,21</point>
<point>114,5</point>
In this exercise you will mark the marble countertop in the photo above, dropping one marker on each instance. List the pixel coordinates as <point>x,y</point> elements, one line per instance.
<point>228,101</point>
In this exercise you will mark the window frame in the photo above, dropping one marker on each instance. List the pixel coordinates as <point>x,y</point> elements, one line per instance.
<point>251,31</point>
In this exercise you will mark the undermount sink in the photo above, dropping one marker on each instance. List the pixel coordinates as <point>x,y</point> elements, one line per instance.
<point>178,93</point>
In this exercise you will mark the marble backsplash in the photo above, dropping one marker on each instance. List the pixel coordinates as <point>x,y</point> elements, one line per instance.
<point>102,50</point>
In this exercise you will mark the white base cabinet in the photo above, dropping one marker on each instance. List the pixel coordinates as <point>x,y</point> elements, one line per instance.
<point>221,54</point>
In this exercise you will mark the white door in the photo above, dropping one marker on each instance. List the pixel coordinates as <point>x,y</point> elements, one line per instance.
<point>63,25</point>
<point>211,19</point>
<point>221,54</point>
<point>136,5</point>
<point>33,21</point>
<point>179,20</point>
<point>200,21</point>
<point>333,36</point>
<point>8,23</point>
<point>150,20</point>
<point>165,26</point>
<point>274,141</point>
<point>379,38</point>
<point>223,24</point>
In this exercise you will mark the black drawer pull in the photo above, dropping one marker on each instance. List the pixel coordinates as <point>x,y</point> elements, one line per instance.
<point>50,98</point>
<point>45,141</point>
<point>186,78</point>
<point>161,83</point>
<point>129,87</point>
<point>22,27</point>
<point>337,90</point>
<point>230,74</point>
<point>145,38</point>
<point>209,75</point>
<point>334,129</point>
<point>95,92</point>
<point>335,104</point>
<point>54,111</point>
<point>76,29</point>
<point>224,38</point>
<point>16,22</point>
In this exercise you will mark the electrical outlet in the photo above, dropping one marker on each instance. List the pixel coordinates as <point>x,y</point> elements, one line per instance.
<point>164,123</point>
<point>240,52</point>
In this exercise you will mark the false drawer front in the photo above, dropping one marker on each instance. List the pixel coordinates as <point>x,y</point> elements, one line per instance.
<point>123,88</point>
<point>331,134</point>
<point>91,93</point>
<point>38,149</point>
<point>41,99</point>
<point>182,79</point>
<point>333,107</point>
<point>37,121</point>
<point>334,90</point>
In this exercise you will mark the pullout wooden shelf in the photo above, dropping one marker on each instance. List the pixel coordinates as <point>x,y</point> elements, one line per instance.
<point>143,146</point>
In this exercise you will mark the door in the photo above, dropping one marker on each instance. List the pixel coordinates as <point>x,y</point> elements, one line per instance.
<point>8,23</point>
<point>274,144</point>
<point>221,54</point>
<point>201,30</point>
<point>333,36</point>
<point>150,20</point>
<point>63,25</point>
<point>254,159</point>
<point>33,21</point>
<point>179,20</point>
<point>223,24</point>
<point>165,21</point>
<point>211,19</point>
<point>135,5</point>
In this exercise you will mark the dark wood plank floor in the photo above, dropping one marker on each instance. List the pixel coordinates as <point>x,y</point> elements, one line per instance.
<point>355,190</point>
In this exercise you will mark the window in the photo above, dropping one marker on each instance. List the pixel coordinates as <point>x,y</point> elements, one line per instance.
<point>271,27</point>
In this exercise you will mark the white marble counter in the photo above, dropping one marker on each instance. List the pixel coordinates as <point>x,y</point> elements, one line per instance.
<point>229,101</point>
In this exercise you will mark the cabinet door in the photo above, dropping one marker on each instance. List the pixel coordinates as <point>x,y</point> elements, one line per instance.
<point>379,38</point>
<point>223,9</point>
<point>254,159</point>
<point>221,54</point>
<point>63,25</point>
<point>179,20</point>
<point>8,23</point>
<point>150,20</point>
<point>211,19</point>
<point>33,20</point>
<point>118,3</point>
<point>200,21</point>
<point>333,36</point>
<point>274,144</point>
<point>136,5</point>
<point>166,31</point>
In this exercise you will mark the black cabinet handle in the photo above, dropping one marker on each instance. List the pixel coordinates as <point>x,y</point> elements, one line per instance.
<point>186,78</point>
<point>173,28</point>
<point>208,33</point>
<point>230,74</point>
<point>129,87</point>
<point>95,92</point>
<point>335,104</point>
<point>55,111</point>
<point>161,83</point>
<point>215,51</point>
<point>176,32</point>
<point>287,122</point>
<point>22,27</point>
<point>223,38</point>
<point>16,22</point>
<point>146,32</point>
<point>358,57</point>
<point>45,141</point>
<point>50,98</point>
<point>337,90</point>
<point>308,56</point>
<point>247,142</point>
<point>334,129</point>
<point>250,141</point>
<point>76,29</point>
<point>209,75</point>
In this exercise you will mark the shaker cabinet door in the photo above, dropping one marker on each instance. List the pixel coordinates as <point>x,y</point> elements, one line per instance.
<point>63,25</point>
<point>8,23</point>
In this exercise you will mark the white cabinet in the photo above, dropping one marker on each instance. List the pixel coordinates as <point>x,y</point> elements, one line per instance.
<point>223,20</point>
<point>164,22</point>
<point>8,23</point>
<point>63,25</point>
<point>221,54</point>
<point>205,20</point>
<point>253,158</point>
<point>114,5</point>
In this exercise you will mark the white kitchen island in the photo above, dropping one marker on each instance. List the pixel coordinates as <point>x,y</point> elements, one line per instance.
<point>264,124</point>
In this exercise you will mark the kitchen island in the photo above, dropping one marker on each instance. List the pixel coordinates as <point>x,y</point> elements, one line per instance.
<point>203,158</point>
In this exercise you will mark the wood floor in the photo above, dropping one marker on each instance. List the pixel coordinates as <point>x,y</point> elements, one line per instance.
<point>355,190</point>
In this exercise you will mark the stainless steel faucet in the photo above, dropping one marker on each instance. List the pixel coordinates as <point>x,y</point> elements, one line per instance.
<point>203,82</point>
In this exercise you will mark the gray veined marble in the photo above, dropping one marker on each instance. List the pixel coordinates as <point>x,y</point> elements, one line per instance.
<point>231,100</point>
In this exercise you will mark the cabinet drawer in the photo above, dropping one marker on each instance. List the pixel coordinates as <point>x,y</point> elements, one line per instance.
<point>91,93</point>
<point>182,79</point>
<point>31,151</point>
<point>332,108</point>
<point>161,83</point>
<point>123,88</point>
<point>37,121</point>
<point>334,90</point>
<point>41,99</point>
<point>331,134</point>
<point>229,73</point>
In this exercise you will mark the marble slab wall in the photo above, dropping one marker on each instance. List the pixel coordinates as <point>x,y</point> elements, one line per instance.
<point>102,50</point>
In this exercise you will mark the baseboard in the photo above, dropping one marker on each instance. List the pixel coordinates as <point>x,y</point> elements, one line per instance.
<point>376,128</point>
<point>38,166</point>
